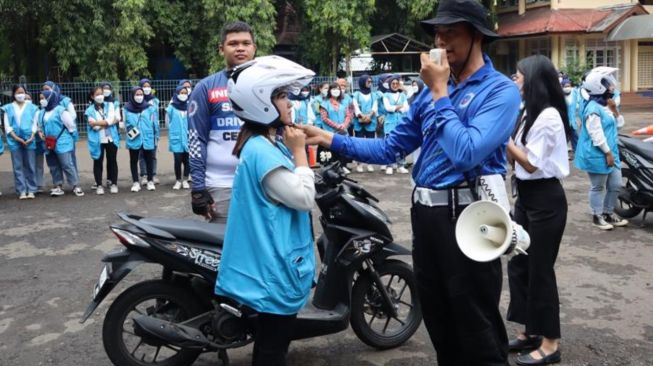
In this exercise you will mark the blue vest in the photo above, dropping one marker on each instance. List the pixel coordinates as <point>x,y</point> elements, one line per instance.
<point>145,123</point>
<point>378,95</point>
<point>315,104</point>
<point>177,130</point>
<point>268,262</point>
<point>365,107</point>
<point>94,140</point>
<point>589,157</point>
<point>53,126</point>
<point>65,102</point>
<point>301,113</point>
<point>22,128</point>
<point>335,116</point>
<point>392,119</point>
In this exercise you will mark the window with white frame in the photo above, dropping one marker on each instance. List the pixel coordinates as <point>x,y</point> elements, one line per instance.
<point>571,51</point>
<point>539,46</point>
<point>601,53</point>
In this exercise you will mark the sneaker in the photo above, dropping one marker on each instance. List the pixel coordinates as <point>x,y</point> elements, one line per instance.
<point>383,167</point>
<point>402,170</point>
<point>31,196</point>
<point>177,186</point>
<point>185,185</point>
<point>78,191</point>
<point>156,180</point>
<point>190,179</point>
<point>346,171</point>
<point>143,180</point>
<point>23,196</point>
<point>113,189</point>
<point>39,190</point>
<point>599,221</point>
<point>615,220</point>
<point>359,168</point>
<point>94,186</point>
<point>388,170</point>
<point>99,190</point>
<point>136,187</point>
<point>150,186</point>
<point>370,168</point>
<point>56,191</point>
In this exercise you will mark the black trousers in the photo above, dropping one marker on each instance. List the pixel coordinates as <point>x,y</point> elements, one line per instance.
<point>111,152</point>
<point>541,208</point>
<point>459,297</point>
<point>365,134</point>
<point>181,158</point>
<point>133,162</point>
<point>272,339</point>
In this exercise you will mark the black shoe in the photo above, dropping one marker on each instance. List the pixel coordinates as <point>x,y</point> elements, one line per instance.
<point>527,359</point>
<point>599,221</point>
<point>614,220</point>
<point>531,342</point>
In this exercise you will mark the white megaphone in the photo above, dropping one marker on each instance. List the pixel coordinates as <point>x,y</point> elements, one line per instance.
<point>485,231</point>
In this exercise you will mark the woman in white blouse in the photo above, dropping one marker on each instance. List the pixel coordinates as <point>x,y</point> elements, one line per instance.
<point>539,153</point>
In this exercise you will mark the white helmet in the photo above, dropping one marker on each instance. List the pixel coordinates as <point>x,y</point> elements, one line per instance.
<point>599,79</point>
<point>251,85</point>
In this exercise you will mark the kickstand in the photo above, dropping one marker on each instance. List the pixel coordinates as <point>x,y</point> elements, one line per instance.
<point>222,356</point>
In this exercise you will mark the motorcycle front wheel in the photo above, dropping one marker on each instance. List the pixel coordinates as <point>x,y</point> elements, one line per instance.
<point>155,298</point>
<point>369,320</point>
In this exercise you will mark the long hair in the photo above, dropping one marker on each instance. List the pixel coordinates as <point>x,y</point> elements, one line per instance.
<point>248,130</point>
<point>336,86</point>
<point>541,90</point>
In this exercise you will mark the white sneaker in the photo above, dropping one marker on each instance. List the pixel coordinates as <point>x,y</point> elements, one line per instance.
<point>177,186</point>
<point>113,189</point>
<point>31,196</point>
<point>99,190</point>
<point>370,168</point>
<point>94,186</point>
<point>23,196</point>
<point>155,179</point>
<point>383,167</point>
<point>150,186</point>
<point>143,181</point>
<point>346,171</point>
<point>136,187</point>
<point>388,170</point>
<point>78,192</point>
<point>402,170</point>
<point>56,191</point>
<point>185,185</point>
<point>359,168</point>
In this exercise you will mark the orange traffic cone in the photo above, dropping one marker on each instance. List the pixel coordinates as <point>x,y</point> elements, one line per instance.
<point>312,157</point>
<point>644,131</point>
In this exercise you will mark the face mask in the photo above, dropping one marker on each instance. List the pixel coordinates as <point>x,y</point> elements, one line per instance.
<point>138,99</point>
<point>44,103</point>
<point>20,97</point>
<point>560,80</point>
<point>147,91</point>
<point>335,93</point>
<point>182,97</point>
<point>386,86</point>
<point>99,99</point>
<point>567,90</point>
<point>324,92</point>
<point>189,89</point>
<point>28,101</point>
<point>106,93</point>
<point>305,94</point>
<point>415,89</point>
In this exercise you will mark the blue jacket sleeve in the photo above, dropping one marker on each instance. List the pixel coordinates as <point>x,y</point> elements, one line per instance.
<point>199,129</point>
<point>403,140</point>
<point>467,145</point>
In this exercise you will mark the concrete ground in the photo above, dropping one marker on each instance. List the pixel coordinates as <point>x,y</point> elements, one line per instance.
<point>50,250</point>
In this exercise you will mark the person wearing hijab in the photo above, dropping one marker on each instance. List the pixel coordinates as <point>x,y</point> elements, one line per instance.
<point>186,84</point>
<point>365,112</point>
<point>142,132</point>
<point>67,103</point>
<point>396,106</point>
<point>177,122</point>
<point>109,97</point>
<point>418,86</point>
<point>21,128</point>
<point>301,104</point>
<point>103,139</point>
<point>154,103</point>
<point>57,128</point>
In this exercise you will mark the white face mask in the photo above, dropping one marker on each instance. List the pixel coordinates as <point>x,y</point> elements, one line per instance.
<point>106,93</point>
<point>305,94</point>
<point>324,92</point>
<point>386,86</point>
<point>189,89</point>
<point>99,99</point>
<point>20,97</point>
<point>182,97</point>
<point>415,89</point>
<point>138,99</point>
<point>560,80</point>
<point>335,93</point>
<point>147,91</point>
<point>567,89</point>
<point>28,101</point>
<point>44,103</point>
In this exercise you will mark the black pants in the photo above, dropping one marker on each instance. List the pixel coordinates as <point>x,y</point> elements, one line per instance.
<point>181,158</point>
<point>541,208</point>
<point>459,297</point>
<point>365,134</point>
<point>110,151</point>
<point>272,339</point>
<point>133,162</point>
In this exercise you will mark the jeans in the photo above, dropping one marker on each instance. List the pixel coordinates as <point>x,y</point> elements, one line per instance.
<point>600,201</point>
<point>24,163</point>
<point>181,158</point>
<point>38,171</point>
<point>60,165</point>
<point>110,150</point>
<point>134,157</point>
<point>141,163</point>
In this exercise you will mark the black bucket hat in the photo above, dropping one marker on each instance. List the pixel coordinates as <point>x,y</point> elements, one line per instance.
<point>456,11</point>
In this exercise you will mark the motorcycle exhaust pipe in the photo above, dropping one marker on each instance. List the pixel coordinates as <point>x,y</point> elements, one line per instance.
<point>163,331</point>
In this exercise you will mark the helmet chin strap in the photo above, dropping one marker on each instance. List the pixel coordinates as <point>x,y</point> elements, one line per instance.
<point>456,75</point>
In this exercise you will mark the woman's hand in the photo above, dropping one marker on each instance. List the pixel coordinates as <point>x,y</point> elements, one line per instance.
<point>435,76</point>
<point>612,106</point>
<point>317,136</point>
<point>609,158</point>
<point>294,138</point>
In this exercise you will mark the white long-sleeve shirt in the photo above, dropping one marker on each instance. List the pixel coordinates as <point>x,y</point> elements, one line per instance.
<point>18,112</point>
<point>391,107</point>
<point>366,97</point>
<point>295,189</point>
<point>111,119</point>
<point>66,118</point>
<point>595,130</point>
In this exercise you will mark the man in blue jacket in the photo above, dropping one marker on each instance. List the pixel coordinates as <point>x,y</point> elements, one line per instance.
<point>213,128</point>
<point>462,121</point>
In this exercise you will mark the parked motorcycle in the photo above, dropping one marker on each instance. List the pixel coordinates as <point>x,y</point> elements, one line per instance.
<point>171,320</point>
<point>637,170</point>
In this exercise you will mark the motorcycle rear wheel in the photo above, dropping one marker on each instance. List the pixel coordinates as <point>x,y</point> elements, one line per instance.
<point>165,301</point>
<point>625,208</point>
<point>366,306</point>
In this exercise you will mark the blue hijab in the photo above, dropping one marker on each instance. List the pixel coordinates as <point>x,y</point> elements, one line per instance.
<point>52,97</point>
<point>381,80</point>
<point>176,103</point>
<point>361,84</point>
<point>142,82</point>
<point>110,98</point>
<point>56,89</point>
<point>182,82</point>
<point>389,80</point>
<point>134,107</point>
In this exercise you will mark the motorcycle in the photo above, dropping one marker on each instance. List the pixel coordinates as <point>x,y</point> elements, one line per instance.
<point>637,170</point>
<point>173,319</point>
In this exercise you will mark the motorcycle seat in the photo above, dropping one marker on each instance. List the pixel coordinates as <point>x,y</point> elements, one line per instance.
<point>638,147</point>
<point>192,230</point>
